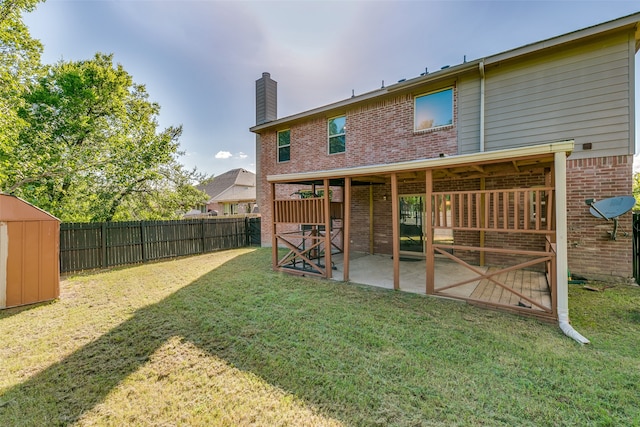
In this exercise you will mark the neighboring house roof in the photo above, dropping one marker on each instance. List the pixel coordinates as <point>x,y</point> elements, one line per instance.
<point>630,21</point>
<point>232,186</point>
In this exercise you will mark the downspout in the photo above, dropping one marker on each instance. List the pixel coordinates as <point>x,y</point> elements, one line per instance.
<point>562,265</point>
<point>481,68</point>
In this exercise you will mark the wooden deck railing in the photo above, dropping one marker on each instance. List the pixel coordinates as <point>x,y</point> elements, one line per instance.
<point>514,210</point>
<point>304,211</point>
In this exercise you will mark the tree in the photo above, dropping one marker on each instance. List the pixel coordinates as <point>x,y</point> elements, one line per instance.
<point>19,64</point>
<point>91,145</point>
<point>636,189</point>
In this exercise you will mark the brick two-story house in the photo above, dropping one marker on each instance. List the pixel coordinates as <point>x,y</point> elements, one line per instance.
<point>487,164</point>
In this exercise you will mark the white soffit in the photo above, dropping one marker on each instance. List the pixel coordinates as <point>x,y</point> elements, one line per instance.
<point>495,156</point>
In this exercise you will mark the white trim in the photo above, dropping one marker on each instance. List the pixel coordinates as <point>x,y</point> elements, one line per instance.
<point>278,146</point>
<point>439,162</point>
<point>4,254</point>
<point>433,128</point>
<point>562,264</point>
<point>329,136</point>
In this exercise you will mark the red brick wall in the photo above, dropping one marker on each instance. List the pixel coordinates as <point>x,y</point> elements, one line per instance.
<point>591,251</point>
<point>381,132</point>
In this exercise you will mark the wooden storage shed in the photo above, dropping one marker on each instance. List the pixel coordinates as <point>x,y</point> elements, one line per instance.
<point>29,253</point>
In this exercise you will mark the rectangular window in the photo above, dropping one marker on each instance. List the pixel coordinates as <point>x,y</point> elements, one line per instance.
<point>284,145</point>
<point>337,127</point>
<point>433,110</point>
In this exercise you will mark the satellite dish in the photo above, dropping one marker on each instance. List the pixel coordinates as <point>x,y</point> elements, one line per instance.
<point>611,209</point>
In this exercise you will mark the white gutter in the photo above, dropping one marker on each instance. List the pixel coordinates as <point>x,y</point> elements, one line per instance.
<point>481,68</point>
<point>562,264</point>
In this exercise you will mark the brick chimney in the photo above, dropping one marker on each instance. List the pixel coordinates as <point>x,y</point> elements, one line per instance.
<point>266,99</point>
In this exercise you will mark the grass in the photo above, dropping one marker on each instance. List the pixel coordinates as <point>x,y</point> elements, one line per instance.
<point>220,339</point>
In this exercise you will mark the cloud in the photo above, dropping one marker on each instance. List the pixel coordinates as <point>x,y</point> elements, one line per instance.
<point>228,155</point>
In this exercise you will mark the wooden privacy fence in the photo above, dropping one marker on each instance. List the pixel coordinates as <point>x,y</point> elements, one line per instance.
<point>85,246</point>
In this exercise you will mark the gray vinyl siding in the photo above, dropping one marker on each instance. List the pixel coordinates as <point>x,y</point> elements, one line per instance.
<point>582,93</point>
<point>468,115</point>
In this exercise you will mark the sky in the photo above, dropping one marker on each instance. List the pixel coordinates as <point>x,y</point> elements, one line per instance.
<point>199,60</point>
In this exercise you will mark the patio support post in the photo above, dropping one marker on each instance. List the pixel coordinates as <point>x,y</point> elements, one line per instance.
<point>371,219</point>
<point>274,237</point>
<point>327,230</point>
<point>395,220</point>
<point>562,265</point>
<point>482,218</point>
<point>429,253</point>
<point>346,228</point>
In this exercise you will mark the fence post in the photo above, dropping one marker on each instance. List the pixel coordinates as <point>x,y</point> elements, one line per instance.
<point>104,244</point>
<point>143,241</point>
<point>202,229</point>
<point>247,231</point>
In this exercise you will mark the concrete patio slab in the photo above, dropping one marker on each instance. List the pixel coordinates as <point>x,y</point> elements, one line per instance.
<point>377,270</point>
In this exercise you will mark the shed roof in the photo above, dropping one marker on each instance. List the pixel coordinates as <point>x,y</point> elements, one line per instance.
<point>13,208</point>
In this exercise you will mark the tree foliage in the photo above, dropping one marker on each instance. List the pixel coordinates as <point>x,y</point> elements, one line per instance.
<point>636,189</point>
<point>91,150</point>
<point>19,63</point>
<point>80,139</point>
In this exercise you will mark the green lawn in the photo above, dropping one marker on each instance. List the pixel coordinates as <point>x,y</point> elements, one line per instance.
<point>220,339</point>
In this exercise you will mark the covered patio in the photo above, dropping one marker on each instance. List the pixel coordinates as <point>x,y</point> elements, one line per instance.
<point>530,287</point>
<point>488,228</point>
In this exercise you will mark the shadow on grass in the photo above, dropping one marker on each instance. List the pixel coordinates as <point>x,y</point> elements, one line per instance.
<point>351,352</point>
<point>12,311</point>
<point>215,312</point>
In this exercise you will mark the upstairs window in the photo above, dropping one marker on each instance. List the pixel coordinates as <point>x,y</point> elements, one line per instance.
<point>284,145</point>
<point>337,127</point>
<point>433,110</point>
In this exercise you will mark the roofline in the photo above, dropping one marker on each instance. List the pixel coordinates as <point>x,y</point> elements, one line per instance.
<point>605,27</point>
<point>218,198</point>
<point>439,162</point>
<point>436,75</point>
<point>613,25</point>
<point>32,205</point>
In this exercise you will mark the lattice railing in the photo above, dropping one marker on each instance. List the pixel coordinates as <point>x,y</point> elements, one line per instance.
<point>304,211</point>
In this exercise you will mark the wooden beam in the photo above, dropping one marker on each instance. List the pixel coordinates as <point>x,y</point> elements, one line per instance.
<point>327,229</point>
<point>274,237</point>
<point>428,209</point>
<point>515,166</point>
<point>395,221</point>
<point>369,179</point>
<point>346,227</point>
<point>371,219</point>
<point>482,218</point>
